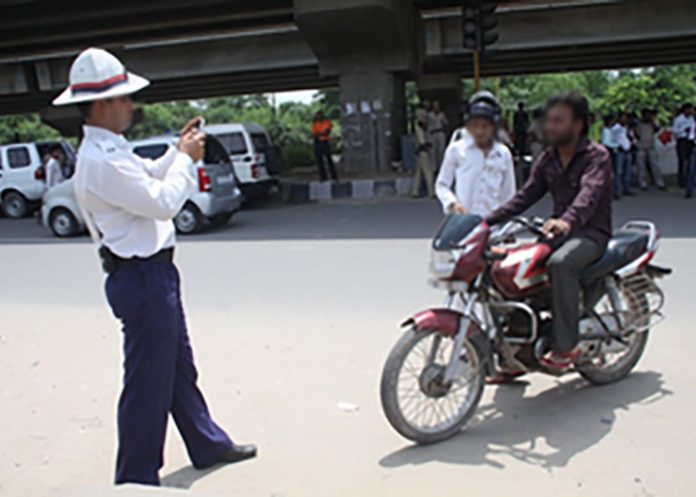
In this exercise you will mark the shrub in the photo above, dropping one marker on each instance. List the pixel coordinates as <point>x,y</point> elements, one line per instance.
<point>298,155</point>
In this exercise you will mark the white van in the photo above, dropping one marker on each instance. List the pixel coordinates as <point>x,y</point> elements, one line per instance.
<point>22,175</point>
<point>256,160</point>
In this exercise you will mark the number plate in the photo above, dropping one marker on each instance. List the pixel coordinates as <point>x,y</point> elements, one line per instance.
<point>225,180</point>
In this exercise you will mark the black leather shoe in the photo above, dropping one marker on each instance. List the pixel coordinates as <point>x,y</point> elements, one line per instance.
<point>237,453</point>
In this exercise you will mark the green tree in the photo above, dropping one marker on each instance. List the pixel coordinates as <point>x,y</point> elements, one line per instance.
<point>329,101</point>
<point>663,89</point>
<point>25,128</point>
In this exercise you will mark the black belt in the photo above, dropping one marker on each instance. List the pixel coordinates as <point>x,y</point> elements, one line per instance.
<point>111,262</point>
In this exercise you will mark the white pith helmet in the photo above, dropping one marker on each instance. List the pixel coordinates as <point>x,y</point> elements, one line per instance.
<point>96,75</point>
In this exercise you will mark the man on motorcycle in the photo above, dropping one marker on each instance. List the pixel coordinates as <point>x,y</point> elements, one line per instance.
<point>578,175</point>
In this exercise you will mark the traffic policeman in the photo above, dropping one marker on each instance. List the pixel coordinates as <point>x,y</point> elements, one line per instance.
<point>128,205</point>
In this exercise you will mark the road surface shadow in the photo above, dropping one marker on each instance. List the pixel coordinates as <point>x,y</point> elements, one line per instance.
<point>547,430</point>
<point>186,476</point>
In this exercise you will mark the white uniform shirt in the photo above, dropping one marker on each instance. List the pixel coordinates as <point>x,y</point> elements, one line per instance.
<point>619,134</point>
<point>54,173</point>
<point>131,200</point>
<point>683,126</point>
<point>480,183</point>
<point>437,122</point>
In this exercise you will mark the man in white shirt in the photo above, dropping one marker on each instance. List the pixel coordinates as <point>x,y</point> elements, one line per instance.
<point>423,170</point>
<point>682,127</point>
<point>128,204</point>
<point>437,131</point>
<point>477,174</point>
<point>622,157</point>
<point>647,159</point>
<point>54,167</point>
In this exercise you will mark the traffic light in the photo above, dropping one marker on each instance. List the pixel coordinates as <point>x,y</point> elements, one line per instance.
<point>488,24</point>
<point>470,26</point>
<point>478,18</point>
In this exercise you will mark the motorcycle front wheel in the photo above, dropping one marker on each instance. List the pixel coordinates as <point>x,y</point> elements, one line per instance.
<point>416,401</point>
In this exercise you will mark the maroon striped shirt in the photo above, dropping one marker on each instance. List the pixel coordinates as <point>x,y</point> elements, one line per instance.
<point>582,193</point>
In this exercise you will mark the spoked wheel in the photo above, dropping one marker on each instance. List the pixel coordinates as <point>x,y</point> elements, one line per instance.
<point>416,400</point>
<point>613,361</point>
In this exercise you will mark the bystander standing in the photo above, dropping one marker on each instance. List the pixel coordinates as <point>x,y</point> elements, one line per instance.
<point>682,127</point>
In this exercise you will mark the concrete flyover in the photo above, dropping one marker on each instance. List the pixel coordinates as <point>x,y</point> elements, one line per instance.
<point>369,48</point>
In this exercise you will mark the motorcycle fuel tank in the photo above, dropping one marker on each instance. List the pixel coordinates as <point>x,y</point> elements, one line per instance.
<point>523,270</point>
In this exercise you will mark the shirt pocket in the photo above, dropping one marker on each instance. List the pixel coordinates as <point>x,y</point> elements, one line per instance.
<point>493,175</point>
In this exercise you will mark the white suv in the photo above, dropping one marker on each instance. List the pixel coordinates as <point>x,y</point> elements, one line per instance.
<point>215,201</point>
<point>22,176</point>
<point>256,160</point>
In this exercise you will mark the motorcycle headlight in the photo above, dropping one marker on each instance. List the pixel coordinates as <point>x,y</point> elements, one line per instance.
<point>442,263</point>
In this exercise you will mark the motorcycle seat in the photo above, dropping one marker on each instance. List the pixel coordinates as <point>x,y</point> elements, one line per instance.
<point>625,246</point>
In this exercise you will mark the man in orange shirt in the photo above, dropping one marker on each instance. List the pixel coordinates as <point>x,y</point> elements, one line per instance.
<point>321,131</point>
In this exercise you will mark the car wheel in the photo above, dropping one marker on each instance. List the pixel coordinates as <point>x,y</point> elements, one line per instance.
<point>14,205</point>
<point>189,220</point>
<point>63,223</point>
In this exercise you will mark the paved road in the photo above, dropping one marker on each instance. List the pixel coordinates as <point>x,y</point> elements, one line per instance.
<point>293,310</point>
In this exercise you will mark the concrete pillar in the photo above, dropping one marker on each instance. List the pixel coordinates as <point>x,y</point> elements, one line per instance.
<point>372,46</point>
<point>373,118</point>
<point>447,88</point>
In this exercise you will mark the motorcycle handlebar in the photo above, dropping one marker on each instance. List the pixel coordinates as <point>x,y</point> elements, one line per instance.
<point>534,226</point>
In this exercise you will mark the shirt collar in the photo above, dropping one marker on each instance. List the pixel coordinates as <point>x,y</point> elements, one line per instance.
<point>583,145</point>
<point>468,142</point>
<point>98,133</point>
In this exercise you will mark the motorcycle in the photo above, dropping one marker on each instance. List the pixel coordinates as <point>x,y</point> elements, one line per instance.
<point>497,319</point>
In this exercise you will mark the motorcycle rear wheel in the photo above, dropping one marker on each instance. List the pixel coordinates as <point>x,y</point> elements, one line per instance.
<point>417,407</point>
<point>600,373</point>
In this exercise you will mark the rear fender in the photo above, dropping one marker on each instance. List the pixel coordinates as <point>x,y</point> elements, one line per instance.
<point>658,271</point>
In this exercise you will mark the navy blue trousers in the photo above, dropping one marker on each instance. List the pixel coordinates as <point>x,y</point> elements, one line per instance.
<point>159,374</point>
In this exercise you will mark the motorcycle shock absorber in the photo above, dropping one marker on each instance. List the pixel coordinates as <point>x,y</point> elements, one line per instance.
<point>617,300</point>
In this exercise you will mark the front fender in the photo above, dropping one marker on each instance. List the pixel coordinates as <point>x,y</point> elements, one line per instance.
<point>444,321</point>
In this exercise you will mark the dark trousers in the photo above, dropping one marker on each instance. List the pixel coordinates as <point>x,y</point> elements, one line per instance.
<point>564,267</point>
<point>684,149</point>
<point>691,175</point>
<point>159,374</point>
<point>322,151</point>
<point>623,173</point>
<point>520,142</point>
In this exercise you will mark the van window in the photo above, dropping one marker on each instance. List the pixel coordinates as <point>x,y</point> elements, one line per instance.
<point>151,151</point>
<point>215,153</point>
<point>18,157</point>
<point>260,142</point>
<point>234,143</point>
